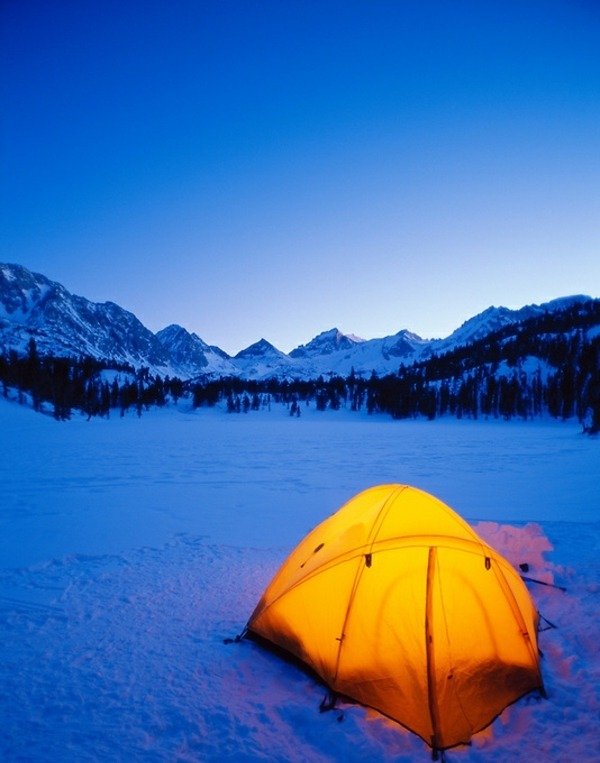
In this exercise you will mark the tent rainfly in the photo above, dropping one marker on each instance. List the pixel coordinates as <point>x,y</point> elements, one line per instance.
<point>395,602</point>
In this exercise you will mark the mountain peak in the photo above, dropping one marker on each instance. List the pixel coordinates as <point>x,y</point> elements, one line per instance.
<point>174,334</point>
<point>191,355</point>
<point>259,349</point>
<point>68,325</point>
<point>173,329</point>
<point>326,343</point>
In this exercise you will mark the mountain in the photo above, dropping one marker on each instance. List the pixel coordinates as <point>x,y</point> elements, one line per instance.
<point>191,356</point>
<point>326,343</point>
<point>495,318</point>
<point>262,360</point>
<point>260,350</point>
<point>342,354</point>
<point>64,324</point>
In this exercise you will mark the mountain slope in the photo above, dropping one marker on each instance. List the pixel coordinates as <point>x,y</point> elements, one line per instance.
<point>64,324</point>
<point>495,318</point>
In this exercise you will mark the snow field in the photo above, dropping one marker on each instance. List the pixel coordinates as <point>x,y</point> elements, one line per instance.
<point>133,547</point>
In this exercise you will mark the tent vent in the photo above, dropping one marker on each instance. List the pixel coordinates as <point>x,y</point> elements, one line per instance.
<point>318,548</point>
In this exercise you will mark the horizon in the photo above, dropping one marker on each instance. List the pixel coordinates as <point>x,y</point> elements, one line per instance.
<point>246,170</point>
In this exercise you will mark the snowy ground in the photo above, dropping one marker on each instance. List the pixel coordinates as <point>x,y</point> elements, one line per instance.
<point>131,547</point>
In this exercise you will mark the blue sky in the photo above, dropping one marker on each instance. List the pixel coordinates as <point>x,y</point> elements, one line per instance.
<point>274,169</point>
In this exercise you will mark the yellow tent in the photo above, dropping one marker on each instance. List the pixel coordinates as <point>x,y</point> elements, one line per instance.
<point>394,601</point>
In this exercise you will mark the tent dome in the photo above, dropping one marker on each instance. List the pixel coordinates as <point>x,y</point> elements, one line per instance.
<point>395,601</point>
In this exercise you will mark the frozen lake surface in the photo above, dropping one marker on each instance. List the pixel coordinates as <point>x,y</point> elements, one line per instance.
<point>264,478</point>
<point>131,547</point>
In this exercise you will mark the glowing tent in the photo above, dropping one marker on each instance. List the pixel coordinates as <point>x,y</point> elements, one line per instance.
<point>394,601</point>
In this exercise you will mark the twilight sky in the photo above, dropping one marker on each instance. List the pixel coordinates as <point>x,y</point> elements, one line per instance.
<point>274,168</point>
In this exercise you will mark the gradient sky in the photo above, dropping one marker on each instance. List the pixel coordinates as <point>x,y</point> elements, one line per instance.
<point>273,169</point>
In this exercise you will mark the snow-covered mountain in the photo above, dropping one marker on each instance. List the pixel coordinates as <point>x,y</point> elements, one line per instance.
<point>191,356</point>
<point>326,343</point>
<point>495,318</point>
<point>64,324</point>
<point>262,360</point>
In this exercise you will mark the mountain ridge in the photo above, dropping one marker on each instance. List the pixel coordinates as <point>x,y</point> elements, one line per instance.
<point>33,306</point>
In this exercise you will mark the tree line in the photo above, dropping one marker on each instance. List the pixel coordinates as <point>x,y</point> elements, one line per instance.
<point>93,387</point>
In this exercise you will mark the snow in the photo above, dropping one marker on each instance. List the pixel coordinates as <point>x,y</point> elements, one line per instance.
<point>7,273</point>
<point>132,547</point>
<point>110,375</point>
